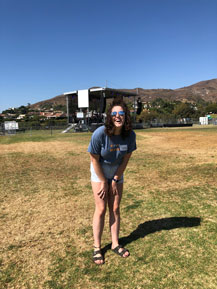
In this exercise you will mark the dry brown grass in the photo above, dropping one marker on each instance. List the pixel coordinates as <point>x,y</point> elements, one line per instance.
<point>40,212</point>
<point>46,200</point>
<point>175,151</point>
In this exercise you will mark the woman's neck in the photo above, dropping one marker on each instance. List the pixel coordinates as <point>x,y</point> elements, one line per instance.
<point>117,130</point>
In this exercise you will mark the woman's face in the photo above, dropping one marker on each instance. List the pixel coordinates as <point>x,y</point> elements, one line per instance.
<point>118,116</point>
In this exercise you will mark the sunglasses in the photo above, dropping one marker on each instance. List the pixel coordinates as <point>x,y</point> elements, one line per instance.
<point>120,113</point>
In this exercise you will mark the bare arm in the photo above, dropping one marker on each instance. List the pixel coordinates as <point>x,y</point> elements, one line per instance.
<point>122,166</point>
<point>119,173</point>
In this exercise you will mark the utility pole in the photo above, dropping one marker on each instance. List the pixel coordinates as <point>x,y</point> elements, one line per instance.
<point>67,107</point>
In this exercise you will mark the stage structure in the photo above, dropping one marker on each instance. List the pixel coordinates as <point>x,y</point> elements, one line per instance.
<point>93,101</point>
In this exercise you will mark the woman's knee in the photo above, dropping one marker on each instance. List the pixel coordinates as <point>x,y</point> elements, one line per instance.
<point>115,210</point>
<point>100,211</point>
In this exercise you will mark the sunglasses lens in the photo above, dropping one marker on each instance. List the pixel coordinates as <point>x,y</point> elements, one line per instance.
<point>121,113</point>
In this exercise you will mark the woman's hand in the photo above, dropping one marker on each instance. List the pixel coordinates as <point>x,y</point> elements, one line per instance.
<point>114,188</point>
<point>103,190</point>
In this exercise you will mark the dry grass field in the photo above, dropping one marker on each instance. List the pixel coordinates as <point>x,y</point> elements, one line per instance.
<point>169,219</point>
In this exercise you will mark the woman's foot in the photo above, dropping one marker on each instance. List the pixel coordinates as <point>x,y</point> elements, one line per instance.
<point>97,256</point>
<point>121,251</point>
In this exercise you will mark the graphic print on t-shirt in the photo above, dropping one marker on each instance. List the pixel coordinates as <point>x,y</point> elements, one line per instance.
<point>114,147</point>
<point>117,147</point>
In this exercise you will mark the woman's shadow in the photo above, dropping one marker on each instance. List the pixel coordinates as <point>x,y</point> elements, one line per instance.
<point>153,226</point>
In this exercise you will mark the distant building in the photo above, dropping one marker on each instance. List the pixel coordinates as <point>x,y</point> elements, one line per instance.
<point>204,120</point>
<point>21,116</point>
<point>53,115</point>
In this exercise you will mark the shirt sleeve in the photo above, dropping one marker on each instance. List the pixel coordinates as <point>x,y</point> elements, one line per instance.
<point>132,143</point>
<point>96,142</point>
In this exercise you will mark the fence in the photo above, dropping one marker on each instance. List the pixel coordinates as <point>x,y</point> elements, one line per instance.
<point>30,130</point>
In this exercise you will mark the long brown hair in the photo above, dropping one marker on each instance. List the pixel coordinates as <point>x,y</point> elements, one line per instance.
<point>109,125</point>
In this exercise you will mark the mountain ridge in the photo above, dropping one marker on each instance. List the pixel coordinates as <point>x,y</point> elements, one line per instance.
<point>205,90</point>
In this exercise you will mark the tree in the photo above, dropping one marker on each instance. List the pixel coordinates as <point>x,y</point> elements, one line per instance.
<point>22,109</point>
<point>47,105</point>
<point>9,110</point>
<point>147,116</point>
<point>211,108</point>
<point>60,107</point>
<point>184,110</point>
<point>163,106</point>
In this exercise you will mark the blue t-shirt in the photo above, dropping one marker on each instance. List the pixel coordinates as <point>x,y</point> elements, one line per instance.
<point>111,149</point>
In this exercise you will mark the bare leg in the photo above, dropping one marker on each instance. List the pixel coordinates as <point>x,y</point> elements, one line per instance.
<point>114,216</point>
<point>98,218</point>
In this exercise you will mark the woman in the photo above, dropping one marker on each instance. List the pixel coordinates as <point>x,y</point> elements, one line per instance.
<point>110,149</point>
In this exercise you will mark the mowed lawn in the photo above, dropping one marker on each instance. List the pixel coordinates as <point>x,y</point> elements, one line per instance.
<point>168,212</point>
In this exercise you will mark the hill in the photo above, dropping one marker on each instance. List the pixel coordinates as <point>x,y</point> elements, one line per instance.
<point>201,91</point>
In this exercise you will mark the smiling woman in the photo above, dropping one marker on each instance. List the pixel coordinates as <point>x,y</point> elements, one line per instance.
<point>118,117</point>
<point>110,149</point>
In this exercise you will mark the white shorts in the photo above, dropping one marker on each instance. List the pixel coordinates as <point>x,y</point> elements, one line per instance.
<point>109,172</point>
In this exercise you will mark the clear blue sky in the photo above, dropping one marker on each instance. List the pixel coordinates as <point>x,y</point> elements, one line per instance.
<point>52,46</point>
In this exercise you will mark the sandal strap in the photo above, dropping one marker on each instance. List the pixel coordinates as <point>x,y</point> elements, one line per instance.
<point>123,251</point>
<point>97,258</point>
<point>97,252</point>
<point>116,250</point>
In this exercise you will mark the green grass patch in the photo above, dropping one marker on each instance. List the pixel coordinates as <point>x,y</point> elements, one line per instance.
<point>42,136</point>
<point>8,274</point>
